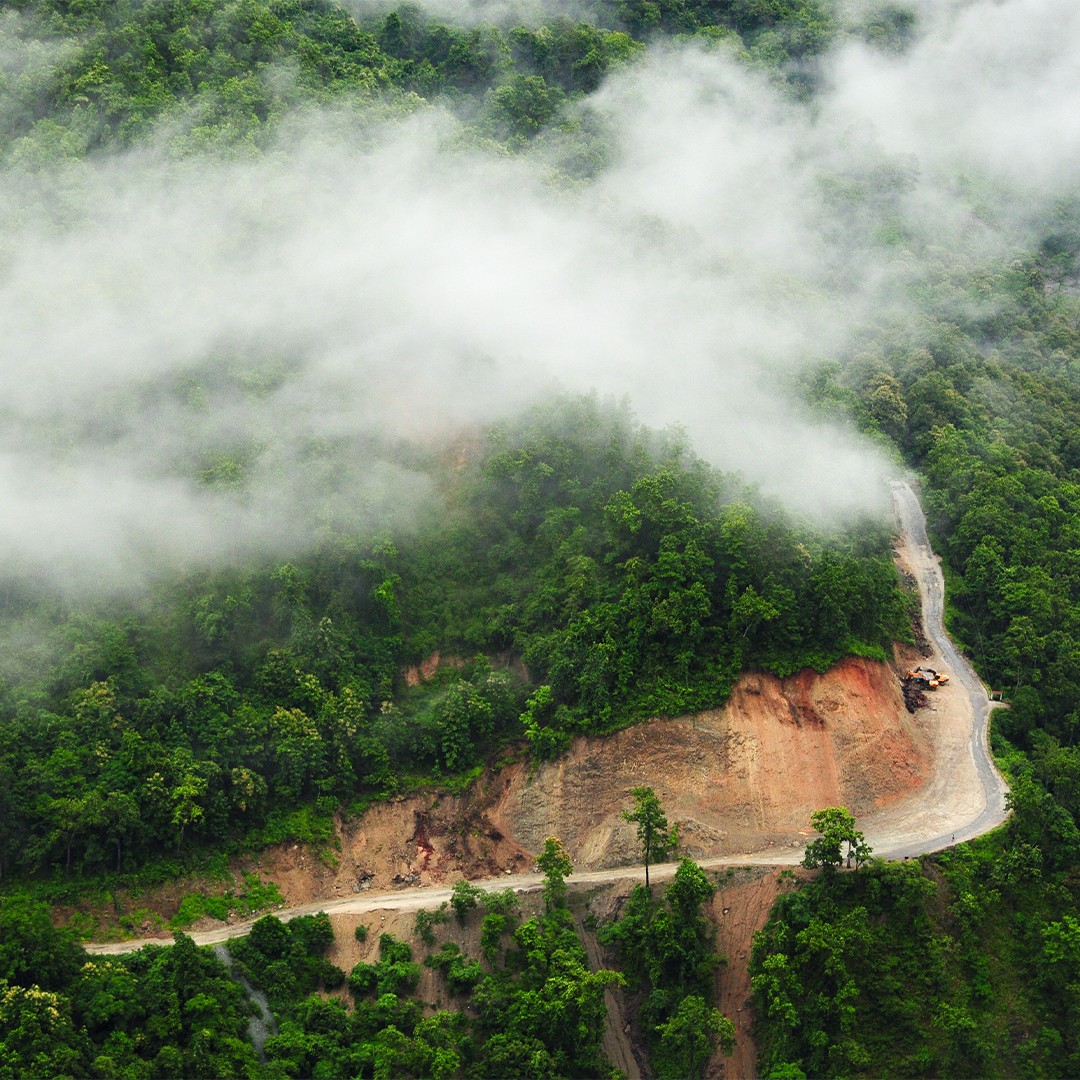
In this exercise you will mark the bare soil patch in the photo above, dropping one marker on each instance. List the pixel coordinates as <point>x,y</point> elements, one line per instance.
<point>739,779</point>
<point>738,910</point>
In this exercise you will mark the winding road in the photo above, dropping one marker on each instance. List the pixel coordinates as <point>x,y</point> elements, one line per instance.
<point>963,798</point>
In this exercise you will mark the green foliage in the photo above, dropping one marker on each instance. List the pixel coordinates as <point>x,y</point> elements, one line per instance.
<point>460,972</point>
<point>837,827</point>
<point>504,902</point>
<point>964,963</point>
<point>197,906</point>
<point>652,827</point>
<point>464,897</point>
<point>225,75</point>
<point>255,895</point>
<point>689,1037</point>
<point>555,865</point>
<point>982,398</point>
<point>667,946</point>
<point>286,960</point>
<point>986,406</point>
<point>313,934</point>
<point>535,1004</point>
<point>242,707</point>
<point>161,1011</point>
<point>395,974</point>
<point>833,983</point>
<point>33,951</point>
<point>425,920</point>
<point>495,924</point>
<point>555,1004</point>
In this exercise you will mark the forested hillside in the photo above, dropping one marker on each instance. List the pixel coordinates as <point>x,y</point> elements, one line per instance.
<point>315,318</point>
<point>97,76</point>
<point>967,963</point>
<point>587,572</point>
<point>245,706</point>
<point>987,408</point>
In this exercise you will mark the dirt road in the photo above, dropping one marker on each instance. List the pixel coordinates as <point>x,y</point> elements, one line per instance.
<point>963,797</point>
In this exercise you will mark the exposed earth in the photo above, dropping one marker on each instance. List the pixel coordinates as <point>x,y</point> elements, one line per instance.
<point>737,779</point>
<point>741,781</point>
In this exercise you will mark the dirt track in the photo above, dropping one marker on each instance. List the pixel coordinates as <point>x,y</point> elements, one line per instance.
<point>965,795</point>
<point>962,797</point>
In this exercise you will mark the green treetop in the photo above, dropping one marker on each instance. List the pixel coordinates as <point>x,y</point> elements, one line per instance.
<point>652,827</point>
<point>837,827</point>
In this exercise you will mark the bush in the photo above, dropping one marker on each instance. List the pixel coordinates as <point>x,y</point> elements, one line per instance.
<point>312,933</point>
<point>331,975</point>
<point>464,898</point>
<point>397,978</point>
<point>392,951</point>
<point>425,920</point>
<point>271,937</point>
<point>502,903</point>
<point>196,906</point>
<point>363,979</point>
<point>460,972</point>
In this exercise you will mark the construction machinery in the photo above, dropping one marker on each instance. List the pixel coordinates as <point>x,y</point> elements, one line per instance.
<point>927,678</point>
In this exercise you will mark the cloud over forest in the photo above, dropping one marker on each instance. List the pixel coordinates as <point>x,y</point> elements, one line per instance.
<point>170,323</point>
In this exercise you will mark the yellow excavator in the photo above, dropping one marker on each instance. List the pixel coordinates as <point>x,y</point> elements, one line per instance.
<point>928,678</point>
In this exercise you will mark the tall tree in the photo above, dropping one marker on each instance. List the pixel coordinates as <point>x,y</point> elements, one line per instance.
<point>689,1037</point>
<point>652,827</point>
<point>837,827</point>
<point>557,867</point>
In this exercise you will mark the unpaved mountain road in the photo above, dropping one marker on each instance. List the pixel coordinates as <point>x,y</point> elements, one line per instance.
<point>963,797</point>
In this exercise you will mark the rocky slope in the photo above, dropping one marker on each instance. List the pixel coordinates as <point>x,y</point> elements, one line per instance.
<point>739,778</point>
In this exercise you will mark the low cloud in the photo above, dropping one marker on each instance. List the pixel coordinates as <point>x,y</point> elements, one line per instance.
<point>192,349</point>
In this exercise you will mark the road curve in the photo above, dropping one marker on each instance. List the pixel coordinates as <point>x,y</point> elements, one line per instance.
<point>965,795</point>
<point>964,798</point>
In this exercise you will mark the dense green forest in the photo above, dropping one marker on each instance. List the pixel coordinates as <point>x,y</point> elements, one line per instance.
<point>95,76</point>
<point>246,706</point>
<point>987,409</point>
<point>587,572</point>
<point>966,963</point>
<point>962,964</point>
<point>528,1006</point>
<point>667,947</point>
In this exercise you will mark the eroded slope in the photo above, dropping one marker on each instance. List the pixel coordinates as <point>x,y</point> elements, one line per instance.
<point>737,779</point>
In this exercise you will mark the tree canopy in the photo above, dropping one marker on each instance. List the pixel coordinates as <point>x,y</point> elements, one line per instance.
<point>837,827</point>
<point>652,827</point>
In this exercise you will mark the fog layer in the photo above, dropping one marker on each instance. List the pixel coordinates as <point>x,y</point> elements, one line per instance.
<point>190,347</point>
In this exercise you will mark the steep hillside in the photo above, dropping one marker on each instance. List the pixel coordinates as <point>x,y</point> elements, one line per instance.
<point>739,778</point>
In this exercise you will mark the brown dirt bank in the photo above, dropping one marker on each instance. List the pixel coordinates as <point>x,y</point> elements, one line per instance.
<point>738,778</point>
